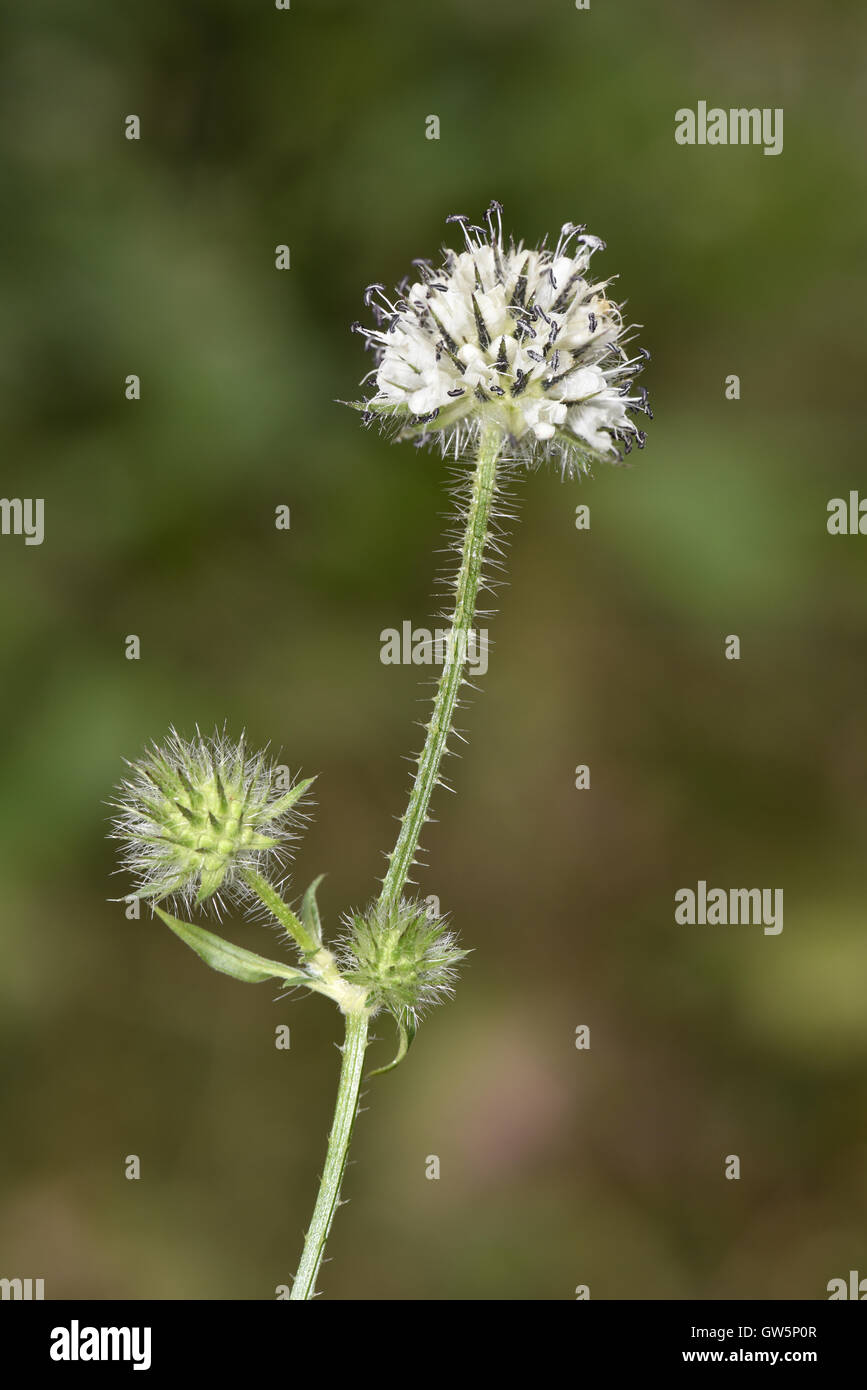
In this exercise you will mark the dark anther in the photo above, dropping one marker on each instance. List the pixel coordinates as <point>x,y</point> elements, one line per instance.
<point>498,390</point>
<point>496,236</point>
<point>368,293</point>
<point>519,383</point>
<point>591,322</point>
<point>641,439</point>
<point>464,225</point>
<point>458,391</point>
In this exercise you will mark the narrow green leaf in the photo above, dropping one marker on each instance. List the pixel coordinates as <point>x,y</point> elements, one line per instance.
<point>310,911</point>
<point>406,1031</point>
<point>230,959</point>
<point>278,807</point>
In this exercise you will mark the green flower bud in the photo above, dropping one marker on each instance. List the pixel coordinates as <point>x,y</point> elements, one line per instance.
<point>196,816</point>
<point>403,957</point>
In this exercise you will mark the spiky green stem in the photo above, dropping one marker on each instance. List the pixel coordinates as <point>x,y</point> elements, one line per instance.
<point>267,894</point>
<point>304,1286</point>
<point>439,727</point>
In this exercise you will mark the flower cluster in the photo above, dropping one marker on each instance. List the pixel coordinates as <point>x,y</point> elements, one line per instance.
<point>523,339</point>
<point>195,815</point>
<point>403,957</point>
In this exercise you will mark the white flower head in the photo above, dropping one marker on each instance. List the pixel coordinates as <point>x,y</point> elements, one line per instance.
<point>501,334</point>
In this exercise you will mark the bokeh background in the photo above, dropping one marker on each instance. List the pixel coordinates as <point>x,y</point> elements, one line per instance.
<point>558,1167</point>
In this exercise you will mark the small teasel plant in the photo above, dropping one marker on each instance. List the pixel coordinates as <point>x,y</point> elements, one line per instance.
<point>502,356</point>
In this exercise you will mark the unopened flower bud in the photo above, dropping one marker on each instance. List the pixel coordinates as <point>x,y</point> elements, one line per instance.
<point>404,958</point>
<point>195,816</point>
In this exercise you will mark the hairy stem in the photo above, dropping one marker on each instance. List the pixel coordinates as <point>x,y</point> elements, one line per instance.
<point>402,858</point>
<point>319,961</point>
<point>304,1286</point>
<point>440,725</point>
<point>267,894</point>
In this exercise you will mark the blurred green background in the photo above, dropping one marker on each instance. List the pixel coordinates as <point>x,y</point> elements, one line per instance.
<point>559,1167</point>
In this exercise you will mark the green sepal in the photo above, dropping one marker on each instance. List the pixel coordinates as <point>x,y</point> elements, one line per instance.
<point>211,879</point>
<point>232,960</point>
<point>407,1027</point>
<point>309,913</point>
<point>366,407</point>
<point>278,808</point>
